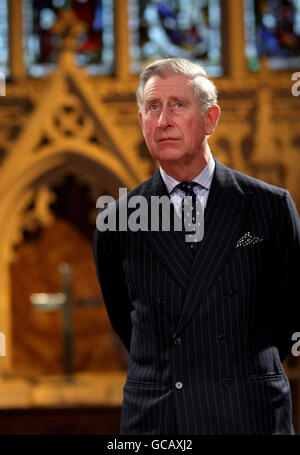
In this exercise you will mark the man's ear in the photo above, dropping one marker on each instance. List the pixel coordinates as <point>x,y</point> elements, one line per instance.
<point>140,119</point>
<point>141,122</point>
<point>212,116</point>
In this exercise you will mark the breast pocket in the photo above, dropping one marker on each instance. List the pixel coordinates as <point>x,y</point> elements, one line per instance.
<point>252,259</point>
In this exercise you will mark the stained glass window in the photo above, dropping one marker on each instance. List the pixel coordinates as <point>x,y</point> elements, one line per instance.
<point>176,28</point>
<point>272,30</point>
<point>3,36</point>
<point>46,22</point>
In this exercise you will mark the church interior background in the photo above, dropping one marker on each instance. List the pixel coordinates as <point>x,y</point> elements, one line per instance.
<point>69,133</point>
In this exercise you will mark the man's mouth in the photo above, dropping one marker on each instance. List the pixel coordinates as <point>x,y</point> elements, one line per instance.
<point>168,139</point>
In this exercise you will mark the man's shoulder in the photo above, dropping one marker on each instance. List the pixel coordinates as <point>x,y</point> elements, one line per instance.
<point>252,184</point>
<point>148,187</point>
<point>110,207</point>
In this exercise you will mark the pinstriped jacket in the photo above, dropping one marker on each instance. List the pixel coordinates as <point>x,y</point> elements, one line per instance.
<point>207,335</point>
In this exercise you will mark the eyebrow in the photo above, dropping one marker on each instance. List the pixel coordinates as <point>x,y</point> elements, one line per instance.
<point>172,98</point>
<point>152,100</point>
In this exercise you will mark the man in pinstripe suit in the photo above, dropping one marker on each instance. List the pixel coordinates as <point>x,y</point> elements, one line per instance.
<point>207,324</point>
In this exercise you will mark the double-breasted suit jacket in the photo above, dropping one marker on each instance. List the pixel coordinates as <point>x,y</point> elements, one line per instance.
<point>207,335</point>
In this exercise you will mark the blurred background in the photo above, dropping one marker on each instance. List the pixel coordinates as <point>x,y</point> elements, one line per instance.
<point>69,133</point>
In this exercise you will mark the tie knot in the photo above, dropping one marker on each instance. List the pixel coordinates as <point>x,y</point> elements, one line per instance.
<point>187,187</point>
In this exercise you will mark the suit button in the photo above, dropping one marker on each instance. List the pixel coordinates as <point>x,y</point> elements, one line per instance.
<point>226,382</point>
<point>222,339</point>
<point>232,293</point>
<point>177,341</point>
<point>161,301</point>
<point>179,385</point>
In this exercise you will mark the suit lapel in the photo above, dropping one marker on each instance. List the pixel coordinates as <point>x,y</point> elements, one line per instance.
<point>167,245</point>
<point>224,215</point>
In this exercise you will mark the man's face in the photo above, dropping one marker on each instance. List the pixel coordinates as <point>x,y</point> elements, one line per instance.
<point>173,125</point>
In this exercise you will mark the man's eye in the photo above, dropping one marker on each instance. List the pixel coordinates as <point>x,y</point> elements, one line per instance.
<point>154,107</point>
<point>178,105</point>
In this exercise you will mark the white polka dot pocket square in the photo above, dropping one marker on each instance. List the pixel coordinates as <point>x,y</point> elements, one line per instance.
<point>248,239</point>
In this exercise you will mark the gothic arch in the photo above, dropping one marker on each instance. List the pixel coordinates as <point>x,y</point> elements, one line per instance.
<point>93,170</point>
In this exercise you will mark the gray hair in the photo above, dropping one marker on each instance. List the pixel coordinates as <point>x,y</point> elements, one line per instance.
<point>204,89</point>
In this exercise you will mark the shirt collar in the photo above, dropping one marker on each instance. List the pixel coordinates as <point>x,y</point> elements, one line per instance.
<point>204,178</point>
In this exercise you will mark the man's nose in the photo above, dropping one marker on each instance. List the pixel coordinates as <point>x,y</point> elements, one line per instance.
<point>164,119</point>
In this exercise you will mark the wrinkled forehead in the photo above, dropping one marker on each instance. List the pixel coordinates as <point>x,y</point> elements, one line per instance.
<point>169,86</point>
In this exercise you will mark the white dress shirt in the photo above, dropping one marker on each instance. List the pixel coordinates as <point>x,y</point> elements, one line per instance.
<point>201,190</point>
